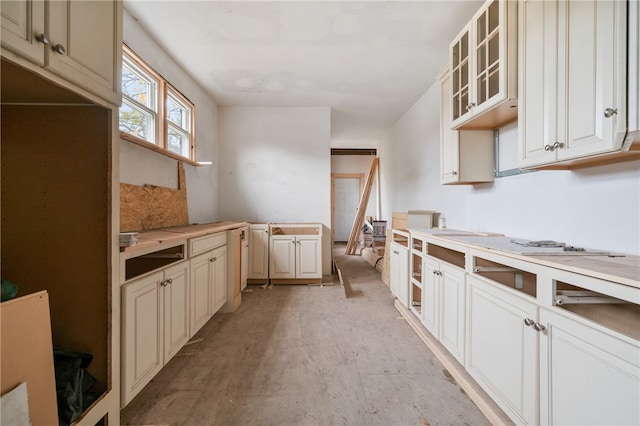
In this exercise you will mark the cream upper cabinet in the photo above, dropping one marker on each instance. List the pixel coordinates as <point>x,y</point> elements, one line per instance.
<point>572,80</point>
<point>466,156</point>
<point>23,29</point>
<point>483,61</point>
<point>81,41</point>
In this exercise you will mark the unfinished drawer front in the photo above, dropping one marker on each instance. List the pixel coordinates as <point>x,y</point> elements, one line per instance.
<point>206,243</point>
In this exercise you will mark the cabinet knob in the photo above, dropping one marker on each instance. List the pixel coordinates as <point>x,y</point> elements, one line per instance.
<point>58,48</point>
<point>454,173</point>
<point>528,322</point>
<point>395,252</point>
<point>471,105</point>
<point>548,148</point>
<point>42,38</point>
<point>539,327</point>
<point>558,145</point>
<point>169,280</point>
<point>213,259</point>
<point>163,283</point>
<point>610,112</point>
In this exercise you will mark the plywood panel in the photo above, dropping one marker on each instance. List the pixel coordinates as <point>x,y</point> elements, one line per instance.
<point>27,354</point>
<point>56,199</point>
<point>152,207</point>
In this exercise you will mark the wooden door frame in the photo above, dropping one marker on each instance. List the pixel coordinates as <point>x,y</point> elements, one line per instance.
<point>335,176</point>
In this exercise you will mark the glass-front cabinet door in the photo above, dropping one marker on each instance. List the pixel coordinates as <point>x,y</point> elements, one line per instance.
<point>483,61</point>
<point>487,47</point>
<point>460,74</point>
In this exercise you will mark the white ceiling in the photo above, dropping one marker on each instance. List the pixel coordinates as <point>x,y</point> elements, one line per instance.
<point>367,60</point>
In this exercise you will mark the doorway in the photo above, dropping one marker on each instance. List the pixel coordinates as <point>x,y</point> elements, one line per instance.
<point>346,188</point>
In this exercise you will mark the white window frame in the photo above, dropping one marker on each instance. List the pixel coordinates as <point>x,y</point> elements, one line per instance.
<point>162,125</point>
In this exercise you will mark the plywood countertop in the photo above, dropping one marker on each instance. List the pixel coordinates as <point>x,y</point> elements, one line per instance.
<point>619,268</point>
<point>157,237</point>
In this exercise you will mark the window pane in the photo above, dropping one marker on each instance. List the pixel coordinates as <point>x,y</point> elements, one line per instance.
<point>138,87</point>
<point>177,113</point>
<point>136,122</point>
<point>178,141</point>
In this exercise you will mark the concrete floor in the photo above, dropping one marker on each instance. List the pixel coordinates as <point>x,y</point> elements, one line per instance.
<point>306,355</point>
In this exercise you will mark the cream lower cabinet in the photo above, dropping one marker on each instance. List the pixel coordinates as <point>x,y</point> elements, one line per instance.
<point>501,349</point>
<point>588,374</point>
<point>80,41</point>
<point>258,267</point>
<point>208,286</point>
<point>399,276</point>
<point>295,256</point>
<point>155,325</point>
<point>443,304</point>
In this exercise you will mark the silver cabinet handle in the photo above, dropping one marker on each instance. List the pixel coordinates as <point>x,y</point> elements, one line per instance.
<point>163,283</point>
<point>548,148</point>
<point>610,112</point>
<point>213,259</point>
<point>471,105</point>
<point>395,252</point>
<point>558,145</point>
<point>528,322</point>
<point>58,48</point>
<point>169,280</point>
<point>539,327</point>
<point>42,38</point>
<point>454,173</point>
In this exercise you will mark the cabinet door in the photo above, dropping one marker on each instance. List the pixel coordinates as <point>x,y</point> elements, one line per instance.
<point>176,308</point>
<point>538,100</point>
<point>399,276</point>
<point>219,278</point>
<point>489,53</point>
<point>591,54</point>
<point>244,265</point>
<point>452,310</point>
<point>461,76</point>
<point>587,375</point>
<point>282,257</point>
<point>22,22</point>
<point>501,350</point>
<point>308,257</point>
<point>430,294</point>
<point>201,292</point>
<point>259,252</point>
<point>448,136</point>
<point>142,333</point>
<point>86,44</point>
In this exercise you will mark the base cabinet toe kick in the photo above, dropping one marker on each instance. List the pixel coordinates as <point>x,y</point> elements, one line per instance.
<point>551,340</point>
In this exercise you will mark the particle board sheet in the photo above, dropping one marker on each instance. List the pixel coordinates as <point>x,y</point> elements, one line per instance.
<point>153,207</point>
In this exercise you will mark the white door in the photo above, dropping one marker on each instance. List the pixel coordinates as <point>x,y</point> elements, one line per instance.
<point>346,194</point>
<point>200,292</point>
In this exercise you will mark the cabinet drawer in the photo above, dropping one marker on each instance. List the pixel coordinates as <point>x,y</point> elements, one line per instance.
<point>206,243</point>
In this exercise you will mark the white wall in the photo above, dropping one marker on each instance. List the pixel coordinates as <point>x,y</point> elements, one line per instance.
<point>275,166</point>
<point>595,207</point>
<point>139,166</point>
